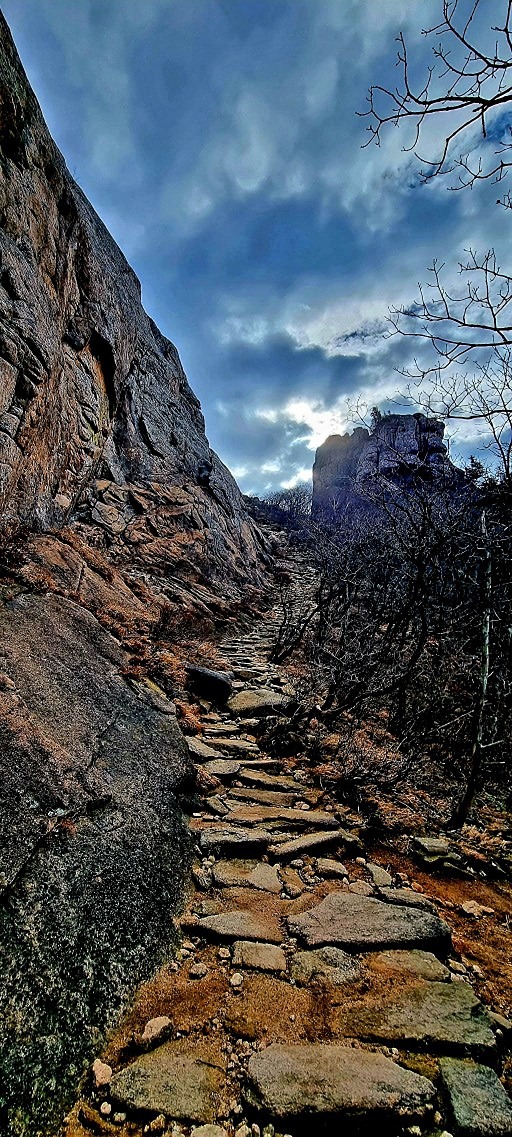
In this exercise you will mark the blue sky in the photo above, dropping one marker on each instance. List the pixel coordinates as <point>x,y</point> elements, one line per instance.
<point>219,142</point>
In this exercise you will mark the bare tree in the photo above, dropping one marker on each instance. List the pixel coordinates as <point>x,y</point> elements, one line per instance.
<point>468,85</point>
<point>465,325</point>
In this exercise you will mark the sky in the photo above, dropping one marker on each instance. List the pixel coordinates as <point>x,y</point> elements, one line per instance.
<point>220,143</point>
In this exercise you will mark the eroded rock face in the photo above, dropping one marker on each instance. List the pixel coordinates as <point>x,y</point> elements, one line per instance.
<point>353,469</point>
<point>93,845</point>
<point>105,464</point>
<point>97,419</point>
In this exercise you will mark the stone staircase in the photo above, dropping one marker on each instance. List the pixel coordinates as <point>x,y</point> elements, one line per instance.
<point>311,982</point>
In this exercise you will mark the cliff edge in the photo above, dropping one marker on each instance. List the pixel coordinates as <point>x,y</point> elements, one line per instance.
<point>117,521</point>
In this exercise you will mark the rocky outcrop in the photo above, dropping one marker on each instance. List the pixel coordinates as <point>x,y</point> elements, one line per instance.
<point>353,470</point>
<point>116,518</point>
<point>97,419</point>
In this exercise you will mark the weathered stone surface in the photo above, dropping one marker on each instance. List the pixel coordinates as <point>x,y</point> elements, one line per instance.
<point>296,818</point>
<point>213,685</point>
<point>407,897</point>
<point>240,746</point>
<point>93,843</point>
<point>479,1105</point>
<point>330,964</point>
<point>445,1017</point>
<point>329,1079</point>
<point>201,751</point>
<point>261,957</point>
<point>422,964</point>
<point>102,442</point>
<point>230,839</point>
<point>281,782</point>
<point>174,1080</point>
<point>246,874</point>
<point>362,923</point>
<point>239,925</point>
<point>260,797</point>
<point>296,846</point>
<point>222,767</point>
<point>260,701</point>
<point>327,866</point>
<point>349,469</point>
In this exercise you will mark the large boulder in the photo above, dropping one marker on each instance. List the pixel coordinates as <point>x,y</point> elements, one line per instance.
<point>260,701</point>
<point>216,686</point>
<point>93,844</point>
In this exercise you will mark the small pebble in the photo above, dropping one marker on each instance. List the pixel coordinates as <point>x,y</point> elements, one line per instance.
<point>119,1118</point>
<point>198,971</point>
<point>236,980</point>
<point>102,1073</point>
<point>105,1109</point>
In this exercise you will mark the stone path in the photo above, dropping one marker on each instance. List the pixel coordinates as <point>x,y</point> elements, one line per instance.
<point>310,983</point>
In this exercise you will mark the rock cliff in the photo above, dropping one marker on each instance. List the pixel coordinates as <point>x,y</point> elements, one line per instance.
<point>350,470</point>
<point>116,520</point>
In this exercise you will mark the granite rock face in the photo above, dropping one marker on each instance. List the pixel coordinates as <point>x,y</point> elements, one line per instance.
<point>353,469</point>
<point>93,846</point>
<point>97,419</point>
<point>118,508</point>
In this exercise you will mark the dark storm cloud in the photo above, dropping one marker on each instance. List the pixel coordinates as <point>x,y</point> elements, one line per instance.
<point>219,142</point>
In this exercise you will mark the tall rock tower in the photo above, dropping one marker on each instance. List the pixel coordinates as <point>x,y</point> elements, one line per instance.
<point>351,469</point>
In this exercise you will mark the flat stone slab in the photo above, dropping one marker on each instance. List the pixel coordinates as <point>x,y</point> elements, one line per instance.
<point>247,874</point>
<point>479,1105</point>
<point>256,796</point>
<point>444,1017</point>
<point>327,866</point>
<point>287,850</point>
<point>227,838</point>
<point>421,964</point>
<point>257,701</point>
<point>408,897</point>
<point>174,1081</point>
<point>381,877</point>
<point>223,767</point>
<point>241,745</point>
<point>201,751</point>
<point>270,781</point>
<point>239,925</point>
<point>328,964</point>
<point>326,1079</point>
<point>261,957</point>
<point>361,923</point>
<point>253,814</point>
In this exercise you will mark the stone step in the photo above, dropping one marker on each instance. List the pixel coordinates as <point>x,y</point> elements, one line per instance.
<point>360,923</point>
<point>479,1105</point>
<point>439,1017</point>
<point>247,874</point>
<point>239,924</point>
<point>308,843</point>
<point>182,1080</point>
<point>328,1079</point>
<point>265,781</point>
<point>263,797</point>
<point>230,839</point>
<point>298,818</point>
<point>237,745</point>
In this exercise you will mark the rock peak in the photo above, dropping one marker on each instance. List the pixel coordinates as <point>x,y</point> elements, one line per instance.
<point>350,467</point>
